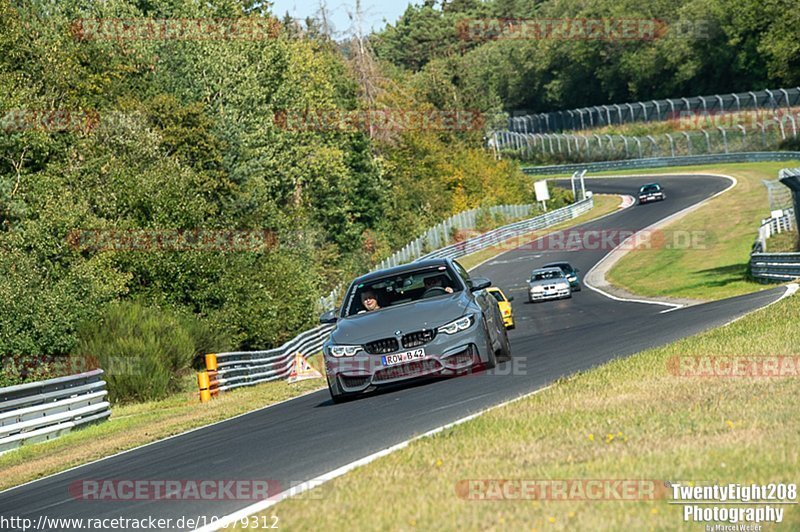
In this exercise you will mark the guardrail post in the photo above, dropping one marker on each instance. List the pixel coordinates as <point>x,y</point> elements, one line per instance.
<point>203,384</point>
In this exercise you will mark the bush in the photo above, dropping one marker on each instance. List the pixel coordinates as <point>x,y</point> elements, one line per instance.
<point>145,351</point>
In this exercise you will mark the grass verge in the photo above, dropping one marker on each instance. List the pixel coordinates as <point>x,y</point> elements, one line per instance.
<point>786,242</point>
<point>722,232</point>
<point>629,419</point>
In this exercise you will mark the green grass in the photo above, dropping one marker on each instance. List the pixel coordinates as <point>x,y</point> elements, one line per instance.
<point>629,419</point>
<point>786,242</point>
<point>725,229</point>
<point>716,266</point>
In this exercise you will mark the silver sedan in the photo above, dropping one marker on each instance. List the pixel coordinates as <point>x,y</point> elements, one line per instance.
<point>548,283</point>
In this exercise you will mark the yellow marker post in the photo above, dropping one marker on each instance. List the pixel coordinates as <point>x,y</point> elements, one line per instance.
<point>202,383</point>
<point>211,362</point>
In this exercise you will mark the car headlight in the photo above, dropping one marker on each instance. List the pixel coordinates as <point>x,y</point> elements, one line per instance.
<point>537,288</point>
<point>572,278</point>
<point>344,350</point>
<point>461,324</point>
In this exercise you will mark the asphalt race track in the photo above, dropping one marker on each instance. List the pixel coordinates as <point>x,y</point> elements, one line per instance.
<point>309,436</point>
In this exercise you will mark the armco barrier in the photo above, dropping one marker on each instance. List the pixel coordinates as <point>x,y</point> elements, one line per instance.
<point>227,371</point>
<point>661,162</point>
<point>40,411</point>
<point>775,266</point>
<point>506,232</point>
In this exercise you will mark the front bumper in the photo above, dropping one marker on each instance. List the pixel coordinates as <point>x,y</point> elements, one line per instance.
<point>444,355</point>
<point>650,199</point>
<point>544,296</point>
<point>508,321</point>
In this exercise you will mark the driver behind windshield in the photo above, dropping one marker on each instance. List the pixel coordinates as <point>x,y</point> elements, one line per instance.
<point>369,300</point>
<point>436,282</point>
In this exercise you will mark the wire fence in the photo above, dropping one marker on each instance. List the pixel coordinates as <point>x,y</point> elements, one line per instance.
<point>553,148</point>
<point>652,111</point>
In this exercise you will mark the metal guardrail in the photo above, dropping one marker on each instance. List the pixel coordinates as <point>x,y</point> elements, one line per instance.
<point>652,110</point>
<point>40,411</point>
<point>661,162</point>
<point>246,368</point>
<point>766,266</point>
<point>501,234</point>
<point>233,370</point>
<point>775,266</point>
<point>773,226</point>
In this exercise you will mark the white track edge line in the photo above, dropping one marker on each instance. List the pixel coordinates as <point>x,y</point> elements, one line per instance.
<point>791,289</point>
<point>667,220</point>
<point>229,519</point>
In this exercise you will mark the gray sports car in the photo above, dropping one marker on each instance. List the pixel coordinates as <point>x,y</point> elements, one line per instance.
<point>420,319</point>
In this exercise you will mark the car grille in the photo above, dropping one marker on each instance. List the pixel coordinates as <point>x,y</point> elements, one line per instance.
<point>382,346</point>
<point>416,368</point>
<point>417,338</point>
<point>354,381</point>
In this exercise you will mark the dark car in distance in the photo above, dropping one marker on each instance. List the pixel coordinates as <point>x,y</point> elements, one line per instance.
<point>651,192</point>
<point>569,272</point>
<point>431,318</point>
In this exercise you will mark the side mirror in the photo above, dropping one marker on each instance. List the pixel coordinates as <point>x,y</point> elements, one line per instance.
<point>328,317</point>
<point>511,298</point>
<point>480,283</point>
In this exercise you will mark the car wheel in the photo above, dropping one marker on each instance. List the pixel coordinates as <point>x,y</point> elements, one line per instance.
<point>505,350</point>
<point>337,395</point>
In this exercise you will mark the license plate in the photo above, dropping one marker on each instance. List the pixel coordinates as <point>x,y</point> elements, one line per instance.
<point>399,358</point>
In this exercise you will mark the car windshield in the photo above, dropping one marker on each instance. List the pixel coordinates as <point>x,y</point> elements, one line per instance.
<point>566,268</point>
<point>549,274</point>
<point>497,295</point>
<point>649,189</point>
<point>401,288</point>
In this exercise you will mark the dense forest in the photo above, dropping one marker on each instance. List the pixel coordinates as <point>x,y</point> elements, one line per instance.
<point>180,134</point>
<point>109,130</point>
<point>699,47</point>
